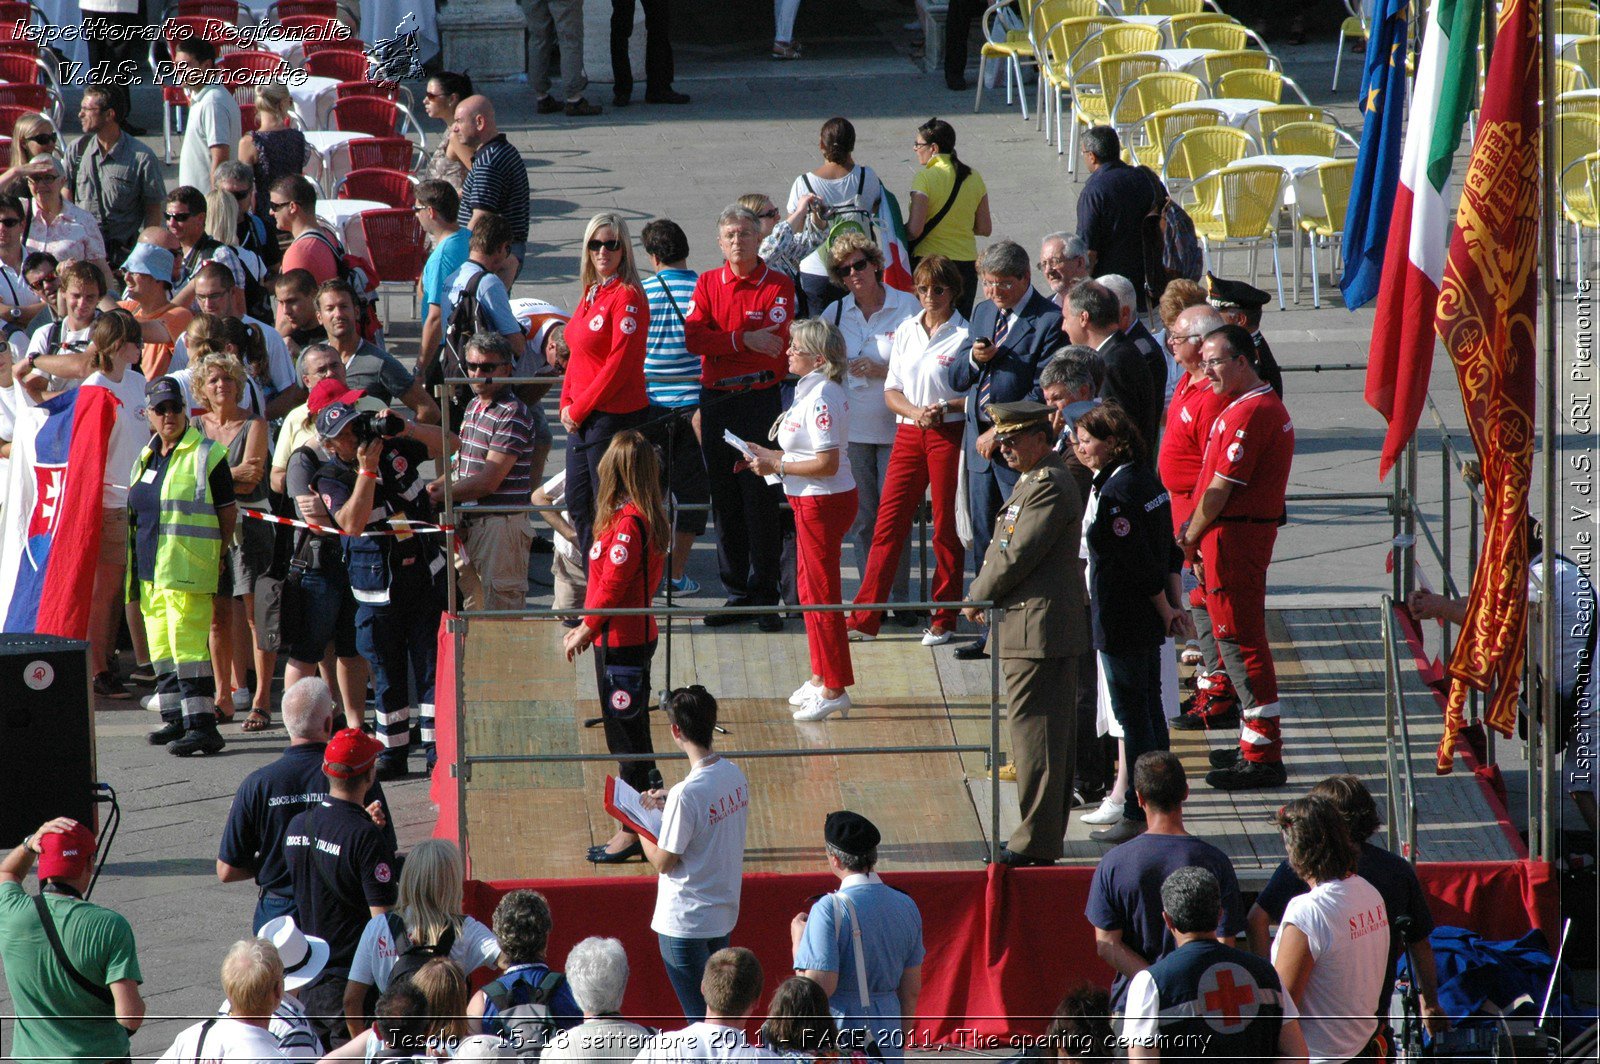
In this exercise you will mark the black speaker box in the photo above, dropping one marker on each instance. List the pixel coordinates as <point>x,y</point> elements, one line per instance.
<point>46,733</point>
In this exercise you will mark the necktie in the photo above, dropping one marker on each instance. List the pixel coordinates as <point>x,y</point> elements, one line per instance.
<point>986,383</point>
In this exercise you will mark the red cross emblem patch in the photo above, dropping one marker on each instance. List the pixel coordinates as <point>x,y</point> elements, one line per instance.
<point>1229,998</point>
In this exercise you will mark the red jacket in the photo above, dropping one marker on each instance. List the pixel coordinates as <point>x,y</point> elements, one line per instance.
<point>727,306</point>
<point>1193,408</point>
<point>617,578</point>
<point>606,338</point>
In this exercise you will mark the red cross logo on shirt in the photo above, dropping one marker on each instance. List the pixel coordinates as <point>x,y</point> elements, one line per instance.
<point>1228,999</point>
<point>48,481</point>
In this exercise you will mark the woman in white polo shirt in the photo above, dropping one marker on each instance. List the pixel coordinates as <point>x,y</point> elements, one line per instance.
<point>813,461</point>
<point>927,450</point>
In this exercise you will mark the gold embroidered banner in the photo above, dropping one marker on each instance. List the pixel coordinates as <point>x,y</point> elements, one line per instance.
<point>1486,321</point>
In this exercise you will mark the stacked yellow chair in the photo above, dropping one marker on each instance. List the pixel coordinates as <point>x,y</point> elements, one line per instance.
<point>1223,36</point>
<point>1150,93</point>
<point>1213,66</point>
<point>1580,202</point>
<point>1126,38</point>
<point>1265,85</point>
<point>1269,119</point>
<point>1095,89</point>
<point>1059,57</point>
<point>1309,138</point>
<point>1011,47</point>
<point>1193,153</point>
<point>1162,129</point>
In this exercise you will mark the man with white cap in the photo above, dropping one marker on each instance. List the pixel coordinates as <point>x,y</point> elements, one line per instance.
<point>304,956</point>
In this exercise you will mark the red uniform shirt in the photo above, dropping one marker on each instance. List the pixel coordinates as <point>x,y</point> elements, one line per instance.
<point>1193,408</point>
<point>1251,445</point>
<point>605,336</point>
<point>617,578</point>
<point>725,307</point>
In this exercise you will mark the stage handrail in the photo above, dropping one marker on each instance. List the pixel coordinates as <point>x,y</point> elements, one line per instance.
<point>1394,721</point>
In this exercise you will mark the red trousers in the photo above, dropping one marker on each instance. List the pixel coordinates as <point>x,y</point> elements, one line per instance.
<point>820,524</point>
<point>921,459</point>
<point>1236,556</point>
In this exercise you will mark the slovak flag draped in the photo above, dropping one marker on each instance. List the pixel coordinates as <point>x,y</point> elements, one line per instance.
<point>51,520</point>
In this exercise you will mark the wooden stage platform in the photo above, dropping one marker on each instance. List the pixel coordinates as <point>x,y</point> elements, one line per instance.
<point>537,820</point>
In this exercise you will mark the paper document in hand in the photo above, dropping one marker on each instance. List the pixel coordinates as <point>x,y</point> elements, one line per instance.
<point>624,803</point>
<point>744,448</point>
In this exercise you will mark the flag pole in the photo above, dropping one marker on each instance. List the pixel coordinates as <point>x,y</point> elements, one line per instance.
<point>1552,389</point>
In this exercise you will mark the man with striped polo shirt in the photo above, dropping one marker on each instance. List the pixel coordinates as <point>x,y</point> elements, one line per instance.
<point>493,468</point>
<point>497,182</point>
<point>671,293</point>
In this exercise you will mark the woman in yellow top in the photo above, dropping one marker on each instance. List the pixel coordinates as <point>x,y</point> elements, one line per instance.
<point>947,182</point>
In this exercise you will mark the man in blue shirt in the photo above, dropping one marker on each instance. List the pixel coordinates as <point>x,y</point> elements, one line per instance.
<point>872,986</point>
<point>271,796</point>
<point>1125,895</point>
<point>437,203</point>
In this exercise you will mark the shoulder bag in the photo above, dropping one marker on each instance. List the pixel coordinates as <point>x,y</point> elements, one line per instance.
<point>95,990</point>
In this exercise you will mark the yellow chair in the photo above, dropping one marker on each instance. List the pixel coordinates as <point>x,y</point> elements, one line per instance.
<point>1223,36</point>
<point>1576,133</point>
<point>1150,93</point>
<point>1096,87</point>
<point>1238,205</point>
<point>1126,38</point>
<point>1583,21</point>
<point>1265,85</point>
<point>1585,51</point>
<point>1580,202</point>
<point>1353,28</point>
<point>1570,77</point>
<point>1058,58</point>
<point>1006,40</point>
<point>1169,7</point>
<point>1216,64</point>
<point>1162,128</point>
<point>1325,222</point>
<point>1269,119</point>
<point>1046,15</point>
<point>1178,25</point>
<point>1193,153</point>
<point>1309,138</point>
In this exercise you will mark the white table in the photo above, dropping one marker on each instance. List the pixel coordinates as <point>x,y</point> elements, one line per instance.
<point>1182,58</point>
<point>341,214</point>
<point>291,51</point>
<point>313,99</point>
<point>1301,189</point>
<point>380,18</point>
<point>1239,112</point>
<point>1565,41</point>
<point>325,144</point>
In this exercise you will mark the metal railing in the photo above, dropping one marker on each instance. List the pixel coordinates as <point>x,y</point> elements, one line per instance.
<point>1394,722</point>
<point>460,627</point>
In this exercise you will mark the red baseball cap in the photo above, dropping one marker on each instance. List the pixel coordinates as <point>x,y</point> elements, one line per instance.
<point>329,391</point>
<point>353,751</point>
<point>65,854</point>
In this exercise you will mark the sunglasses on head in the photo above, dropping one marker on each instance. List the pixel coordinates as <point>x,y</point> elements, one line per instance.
<point>605,245</point>
<point>184,217</point>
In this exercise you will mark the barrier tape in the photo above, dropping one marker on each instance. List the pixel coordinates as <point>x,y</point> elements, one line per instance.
<point>404,527</point>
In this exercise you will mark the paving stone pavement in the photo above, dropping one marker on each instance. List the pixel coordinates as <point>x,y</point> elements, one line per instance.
<point>752,127</point>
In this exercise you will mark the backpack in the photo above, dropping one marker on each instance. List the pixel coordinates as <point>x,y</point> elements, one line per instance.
<point>850,217</point>
<point>354,271</point>
<point>414,956</point>
<point>1171,248</point>
<point>467,319</point>
<point>523,1017</point>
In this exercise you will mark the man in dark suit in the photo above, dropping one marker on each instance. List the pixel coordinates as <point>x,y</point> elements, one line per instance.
<point>1240,304</point>
<point>1013,331</point>
<point>1155,357</point>
<point>1112,206</point>
<point>1094,319</point>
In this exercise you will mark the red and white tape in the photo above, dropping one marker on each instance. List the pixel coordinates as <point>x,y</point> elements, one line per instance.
<point>405,528</point>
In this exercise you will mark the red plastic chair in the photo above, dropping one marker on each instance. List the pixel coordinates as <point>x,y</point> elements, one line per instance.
<point>383,90</point>
<point>349,44</point>
<point>260,62</point>
<point>9,113</point>
<point>289,8</point>
<point>393,187</point>
<point>324,26</point>
<point>33,97</point>
<point>367,114</point>
<point>21,68</point>
<point>227,10</point>
<point>14,11</point>
<point>386,153</point>
<point>399,234</point>
<point>337,63</point>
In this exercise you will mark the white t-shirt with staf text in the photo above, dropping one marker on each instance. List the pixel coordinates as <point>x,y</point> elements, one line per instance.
<point>1347,931</point>
<point>703,822</point>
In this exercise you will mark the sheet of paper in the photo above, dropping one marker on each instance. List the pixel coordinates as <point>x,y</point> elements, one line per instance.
<point>744,448</point>
<point>624,803</point>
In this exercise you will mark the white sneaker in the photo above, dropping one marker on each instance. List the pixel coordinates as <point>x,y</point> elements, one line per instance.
<point>856,635</point>
<point>820,708</point>
<point>935,637</point>
<point>804,693</point>
<point>1110,812</point>
<point>242,700</point>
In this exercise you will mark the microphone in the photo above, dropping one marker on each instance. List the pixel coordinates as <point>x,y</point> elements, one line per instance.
<point>747,380</point>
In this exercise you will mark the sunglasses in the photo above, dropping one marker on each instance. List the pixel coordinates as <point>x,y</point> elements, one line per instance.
<point>433,95</point>
<point>43,138</point>
<point>180,218</point>
<point>47,279</point>
<point>163,409</point>
<point>275,207</point>
<point>484,367</point>
<point>931,289</point>
<point>10,223</point>
<point>605,245</point>
<point>770,212</point>
<point>43,179</point>
<point>856,266</point>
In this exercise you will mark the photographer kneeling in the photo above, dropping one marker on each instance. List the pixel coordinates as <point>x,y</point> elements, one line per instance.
<point>373,484</point>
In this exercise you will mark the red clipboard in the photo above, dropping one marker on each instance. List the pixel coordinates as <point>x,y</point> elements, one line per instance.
<point>631,823</point>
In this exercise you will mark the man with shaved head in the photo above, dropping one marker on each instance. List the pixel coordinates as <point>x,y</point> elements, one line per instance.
<point>497,182</point>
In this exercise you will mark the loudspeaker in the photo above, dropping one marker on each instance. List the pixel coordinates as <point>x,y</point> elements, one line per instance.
<point>46,733</point>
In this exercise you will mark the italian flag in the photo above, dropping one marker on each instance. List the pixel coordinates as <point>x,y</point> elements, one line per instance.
<point>1444,92</point>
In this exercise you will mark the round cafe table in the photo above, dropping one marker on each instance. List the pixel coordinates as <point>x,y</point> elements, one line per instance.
<point>325,144</point>
<point>313,99</point>
<point>342,215</point>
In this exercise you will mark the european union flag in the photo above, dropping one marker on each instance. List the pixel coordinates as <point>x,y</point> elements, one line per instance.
<point>1383,103</point>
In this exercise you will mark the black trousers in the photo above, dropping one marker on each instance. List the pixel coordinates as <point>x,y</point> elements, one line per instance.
<point>957,31</point>
<point>585,448</point>
<point>657,46</point>
<point>125,47</point>
<point>749,530</point>
<point>631,736</point>
<point>684,465</point>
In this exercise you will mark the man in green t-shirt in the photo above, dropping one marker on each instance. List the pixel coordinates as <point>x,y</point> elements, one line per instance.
<point>83,1013</point>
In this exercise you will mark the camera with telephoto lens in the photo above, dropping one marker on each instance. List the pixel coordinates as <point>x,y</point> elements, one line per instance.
<point>376,424</point>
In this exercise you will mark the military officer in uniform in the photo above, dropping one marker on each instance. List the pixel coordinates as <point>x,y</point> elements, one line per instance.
<point>1031,571</point>
<point>1240,304</point>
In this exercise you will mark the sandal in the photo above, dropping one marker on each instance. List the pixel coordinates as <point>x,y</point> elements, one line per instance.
<point>782,50</point>
<point>258,720</point>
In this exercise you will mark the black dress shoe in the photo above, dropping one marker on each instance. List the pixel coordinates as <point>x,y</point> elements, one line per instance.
<point>1014,859</point>
<point>725,620</point>
<point>197,741</point>
<point>1248,775</point>
<point>547,105</point>
<point>621,99</point>
<point>666,96</point>
<point>600,856</point>
<point>769,622</point>
<point>973,652</point>
<point>166,733</point>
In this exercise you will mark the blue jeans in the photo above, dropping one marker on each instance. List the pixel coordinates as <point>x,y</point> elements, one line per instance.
<point>1133,680</point>
<point>685,959</point>
<point>400,642</point>
<point>270,906</point>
